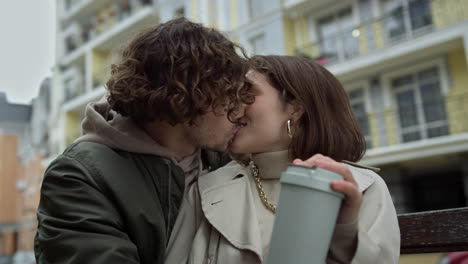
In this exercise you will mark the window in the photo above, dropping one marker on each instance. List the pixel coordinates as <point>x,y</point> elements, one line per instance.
<point>420,105</point>
<point>73,83</point>
<point>403,18</point>
<point>420,13</point>
<point>357,98</point>
<point>258,44</point>
<point>336,36</point>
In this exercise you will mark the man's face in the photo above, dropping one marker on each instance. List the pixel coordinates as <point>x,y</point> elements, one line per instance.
<point>213,130</point>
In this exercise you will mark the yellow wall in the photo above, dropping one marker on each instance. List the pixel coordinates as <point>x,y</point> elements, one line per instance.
<point>101,66</point>
<point>298,28</point>
<point>374,130</point>
<point>289,36</point>
<point>233,14</point>
<point>391,126</point>
<point>72,127</point>
<point>363,47</point>
<point>378,34</point>
<point>447,12</point>
<point>457,99</point>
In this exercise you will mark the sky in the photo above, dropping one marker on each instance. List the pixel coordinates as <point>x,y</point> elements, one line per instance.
<point>27,47</point>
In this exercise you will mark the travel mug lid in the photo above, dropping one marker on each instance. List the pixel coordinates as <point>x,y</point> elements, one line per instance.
<point>313,178</point>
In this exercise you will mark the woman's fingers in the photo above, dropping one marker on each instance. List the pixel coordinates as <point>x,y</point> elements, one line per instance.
<point>328,164</point>
<point>348,186</point>
<point>352,193</point>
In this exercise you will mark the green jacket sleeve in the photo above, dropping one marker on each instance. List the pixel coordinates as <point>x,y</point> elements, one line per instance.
<point>77,223</point>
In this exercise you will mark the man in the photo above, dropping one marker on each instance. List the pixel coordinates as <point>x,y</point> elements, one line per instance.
<point>114,194</point>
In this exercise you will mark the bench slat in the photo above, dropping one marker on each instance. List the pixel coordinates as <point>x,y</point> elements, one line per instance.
<point>434,231</point>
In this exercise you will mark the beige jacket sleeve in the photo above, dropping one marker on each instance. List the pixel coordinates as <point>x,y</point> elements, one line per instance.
<point>378,233</point>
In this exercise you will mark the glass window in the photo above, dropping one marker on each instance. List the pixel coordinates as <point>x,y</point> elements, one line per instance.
<point>347,25</point>
<point>407,109</point>
<point>420,105</point>
<point>393,18</point>
<point>356,94</point>
<point>433,103</point>
<point>336,35</point>
<point>429,74</point>
<point>402,81</point>
<point>403,17</point>
<point>412,136</point>
<point>357,100</point>
<point>420,13</point>
<point>328,32</point>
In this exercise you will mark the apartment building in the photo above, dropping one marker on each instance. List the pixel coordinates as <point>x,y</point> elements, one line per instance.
<point>89,35</point>
<point>23,141</point>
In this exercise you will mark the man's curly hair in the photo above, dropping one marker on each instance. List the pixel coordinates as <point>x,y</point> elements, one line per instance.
<point>177,71</point>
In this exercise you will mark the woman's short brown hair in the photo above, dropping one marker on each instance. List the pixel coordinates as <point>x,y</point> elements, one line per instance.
<point>328,125</point>
<point>177,71</point>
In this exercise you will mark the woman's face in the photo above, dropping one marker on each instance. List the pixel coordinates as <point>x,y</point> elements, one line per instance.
<point>265,121</point>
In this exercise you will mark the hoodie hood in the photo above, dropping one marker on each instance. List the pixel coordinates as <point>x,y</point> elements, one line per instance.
<point>103,125</point>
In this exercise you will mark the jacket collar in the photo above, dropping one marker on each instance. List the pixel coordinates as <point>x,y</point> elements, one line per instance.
<point>271,164</point>
<point>228,205</point>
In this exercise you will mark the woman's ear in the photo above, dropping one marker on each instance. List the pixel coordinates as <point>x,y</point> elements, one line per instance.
<point>295,112</point>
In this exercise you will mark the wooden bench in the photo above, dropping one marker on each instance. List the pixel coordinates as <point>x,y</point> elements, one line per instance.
<point>434,231</point>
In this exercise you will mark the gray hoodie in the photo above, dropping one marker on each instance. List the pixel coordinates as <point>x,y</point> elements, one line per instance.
<point>103,125</point>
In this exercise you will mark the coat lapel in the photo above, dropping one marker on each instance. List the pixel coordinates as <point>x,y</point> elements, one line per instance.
<point>228,205</point>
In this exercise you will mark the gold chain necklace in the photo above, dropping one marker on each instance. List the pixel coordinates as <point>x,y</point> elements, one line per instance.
<point>261,192</point>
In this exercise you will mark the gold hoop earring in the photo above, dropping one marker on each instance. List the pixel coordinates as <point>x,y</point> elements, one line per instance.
<point>290,135</point>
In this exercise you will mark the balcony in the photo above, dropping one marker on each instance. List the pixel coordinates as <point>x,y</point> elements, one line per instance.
<point>78,9</point>
<point>414,129</point>
<point>79,101</point>
<point>345,46</point>
<point>295,5</point>
<point>104,23</point>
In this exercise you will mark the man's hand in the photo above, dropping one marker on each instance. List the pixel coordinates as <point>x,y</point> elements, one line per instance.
<point>353,197</point>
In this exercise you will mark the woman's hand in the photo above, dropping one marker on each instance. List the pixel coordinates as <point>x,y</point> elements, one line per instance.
<point>353,197</point>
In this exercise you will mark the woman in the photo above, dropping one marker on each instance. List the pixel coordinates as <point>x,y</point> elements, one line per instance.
<point>300,111</point>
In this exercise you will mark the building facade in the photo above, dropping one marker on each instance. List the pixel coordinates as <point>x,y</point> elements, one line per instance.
<point>88,37</point>
<point>20,177</point>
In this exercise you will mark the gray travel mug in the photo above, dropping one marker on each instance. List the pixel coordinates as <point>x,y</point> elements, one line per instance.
<point>305,217</point>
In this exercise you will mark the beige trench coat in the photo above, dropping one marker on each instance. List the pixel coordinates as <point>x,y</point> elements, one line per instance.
<point>218,223</point>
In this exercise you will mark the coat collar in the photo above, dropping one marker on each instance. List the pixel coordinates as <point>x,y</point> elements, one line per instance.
<point>228,204</point>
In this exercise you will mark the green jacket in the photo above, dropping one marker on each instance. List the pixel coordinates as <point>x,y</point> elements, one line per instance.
<point>100,205</point>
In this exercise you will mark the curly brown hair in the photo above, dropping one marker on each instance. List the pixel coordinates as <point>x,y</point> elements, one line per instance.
<point>177,71</point>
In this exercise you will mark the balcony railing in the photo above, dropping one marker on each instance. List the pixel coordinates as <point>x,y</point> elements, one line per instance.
<point>410,122</point>
<point>81,32</point>
<point>401,24</point>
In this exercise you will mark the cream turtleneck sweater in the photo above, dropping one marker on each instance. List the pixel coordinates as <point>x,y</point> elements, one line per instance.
<point>270,166</point>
